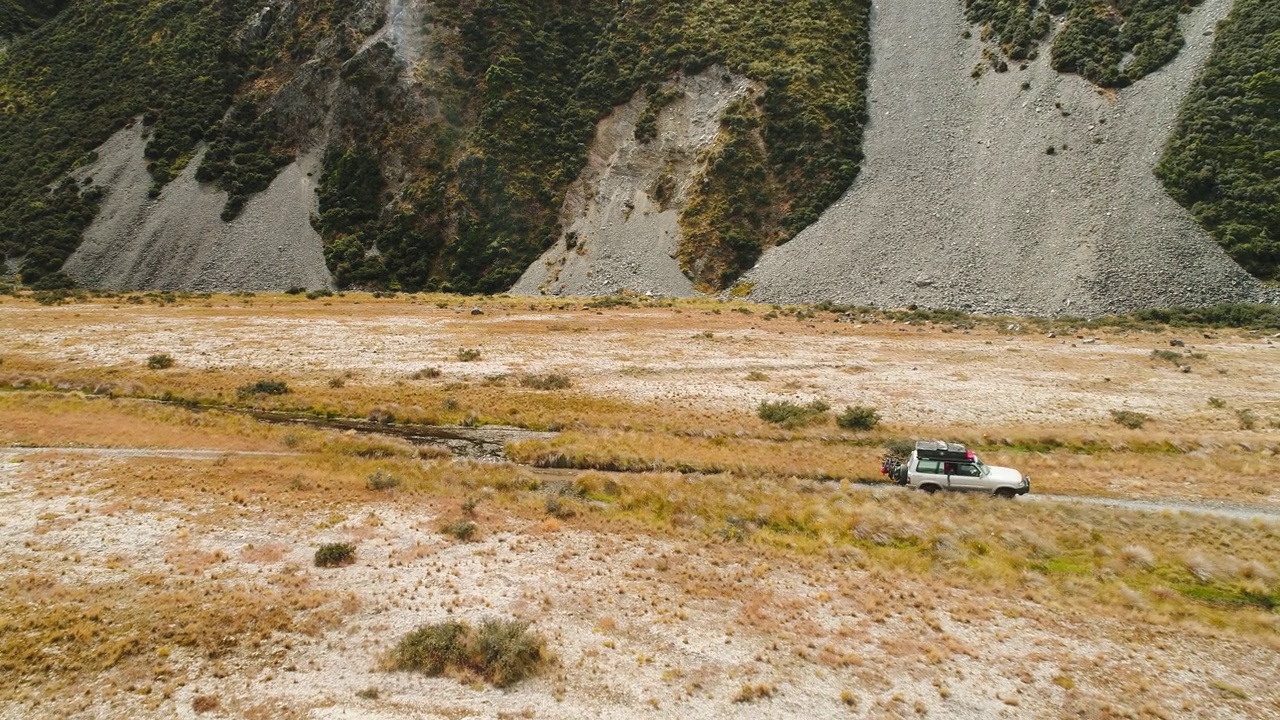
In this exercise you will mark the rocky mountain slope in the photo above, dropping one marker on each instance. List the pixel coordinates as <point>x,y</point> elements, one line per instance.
<point>1027,191</point>
<point>995,155</point>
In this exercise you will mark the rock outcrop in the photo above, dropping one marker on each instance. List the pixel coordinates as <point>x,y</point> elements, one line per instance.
<point>621,217</point>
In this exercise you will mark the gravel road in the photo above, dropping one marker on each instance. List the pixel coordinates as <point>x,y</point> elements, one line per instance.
<point>1215,508</point>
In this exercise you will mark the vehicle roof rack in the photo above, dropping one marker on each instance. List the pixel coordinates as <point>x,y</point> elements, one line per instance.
<point>939,450</point>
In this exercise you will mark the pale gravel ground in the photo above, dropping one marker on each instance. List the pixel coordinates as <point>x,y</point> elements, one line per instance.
<point>958,204</point>
<point>587,591</point>
<point>991,380</point>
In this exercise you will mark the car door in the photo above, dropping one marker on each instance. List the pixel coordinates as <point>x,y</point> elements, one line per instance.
<point>966,476</point>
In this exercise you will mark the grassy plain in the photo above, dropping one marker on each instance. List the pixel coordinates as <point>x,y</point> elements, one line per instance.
<point>680,556</point>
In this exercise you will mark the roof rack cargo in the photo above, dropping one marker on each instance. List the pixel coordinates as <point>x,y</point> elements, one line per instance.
<point>939,450</point>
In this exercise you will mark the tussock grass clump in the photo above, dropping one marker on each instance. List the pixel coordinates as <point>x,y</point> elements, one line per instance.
<point>1248,421</point>
<point>751,693</point>
<point>464,530</point>
<point>335,555</point>
<point>382,480</point>
<point>428,373</point>
<point>1167,356</point>
<point>550,381</point>
<point>468,354</point>
<point>503,652</point>
<point>790,414</point>
<point>858,417</point>
<point>1131,419</point>
<point>161,361</point>
<point>263,387</point>
<point>756,376</point>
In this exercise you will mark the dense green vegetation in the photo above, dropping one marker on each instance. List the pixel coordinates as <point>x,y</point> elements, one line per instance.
<point>19,16</point>
<point>536,77</point>
<point>1223,160</point>
<point>733,217</point>
<point>1095,39</point>
<point>67,86</point>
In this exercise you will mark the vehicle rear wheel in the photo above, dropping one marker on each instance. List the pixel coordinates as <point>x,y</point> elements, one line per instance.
<point>1006,493</point>
<point>931,489</point>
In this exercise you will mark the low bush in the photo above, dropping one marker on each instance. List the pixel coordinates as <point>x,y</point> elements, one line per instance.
<point>1167,356</point>
<point>382,480</point>
<point>559,507</point>
<point>900,449</point>
<point>468,354</point>
<point>858,417</point>
<point>335,555</point>
<point>1248,420</point>
<point>551,381</point>
<point>426,374</point>
<point>263,387</point>
<point>792,415</point>
<point>163,361</point>
<point>464,530</point>
<point>502,652</point>
<point>1130,418</point>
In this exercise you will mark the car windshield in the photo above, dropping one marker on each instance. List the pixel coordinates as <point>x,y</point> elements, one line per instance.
<point>983,470</point>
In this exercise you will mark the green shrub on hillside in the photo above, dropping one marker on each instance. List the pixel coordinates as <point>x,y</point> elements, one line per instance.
<point>20,16</point>
<point>1111,44</point>
<point>1223,160</point>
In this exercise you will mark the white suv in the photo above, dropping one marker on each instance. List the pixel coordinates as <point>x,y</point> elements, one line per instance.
<point>936,465</point>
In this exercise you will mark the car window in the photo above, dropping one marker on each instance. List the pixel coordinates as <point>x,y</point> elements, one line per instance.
<point>932,467</point>
<point>967,470</point>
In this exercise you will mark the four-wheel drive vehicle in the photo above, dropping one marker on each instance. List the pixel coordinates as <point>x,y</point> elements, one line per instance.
<point>936,465</point>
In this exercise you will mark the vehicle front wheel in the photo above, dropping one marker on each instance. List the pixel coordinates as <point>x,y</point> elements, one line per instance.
<point>931,489</point>
<point>1006,493</point>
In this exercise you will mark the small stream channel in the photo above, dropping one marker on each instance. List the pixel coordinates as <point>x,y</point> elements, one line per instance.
<point>486,442</point>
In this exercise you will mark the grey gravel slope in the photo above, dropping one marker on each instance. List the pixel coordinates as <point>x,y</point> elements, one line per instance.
<point>960,206</point>
<point>617,236</point>
<point>178,241</point>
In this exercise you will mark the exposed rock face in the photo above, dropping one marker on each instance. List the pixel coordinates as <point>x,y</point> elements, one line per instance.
<point>179,242</point>
<point>962,204</point>
<point>621,217</point>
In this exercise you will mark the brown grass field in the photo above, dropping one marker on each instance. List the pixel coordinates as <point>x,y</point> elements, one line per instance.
<point>679,556</point>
